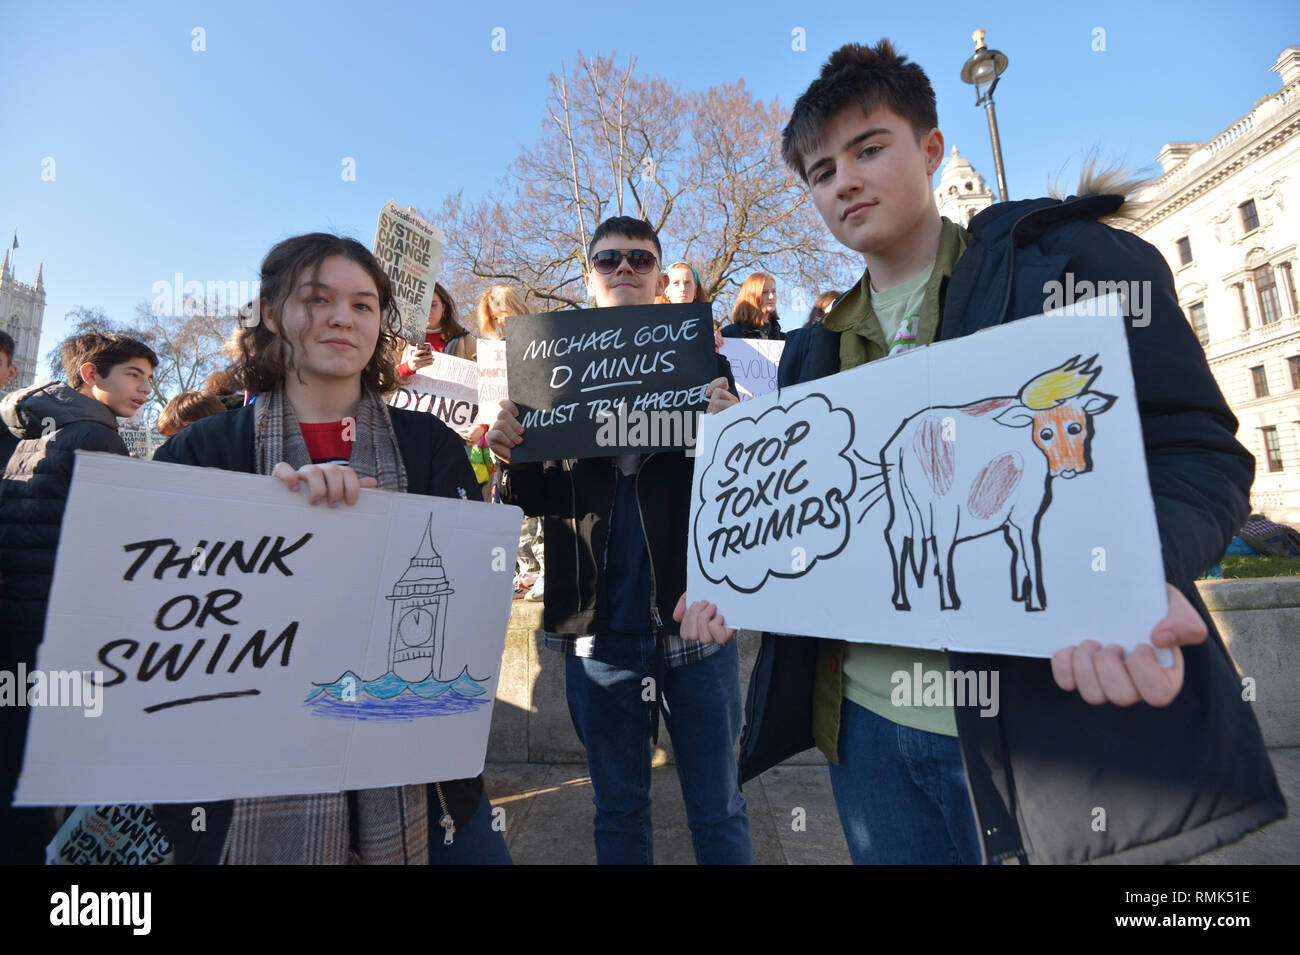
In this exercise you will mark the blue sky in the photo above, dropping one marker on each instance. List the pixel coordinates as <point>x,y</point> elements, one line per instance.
<point>170,160</point>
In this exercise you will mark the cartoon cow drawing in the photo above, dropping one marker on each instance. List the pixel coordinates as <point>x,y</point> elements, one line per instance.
<point>942,492</point>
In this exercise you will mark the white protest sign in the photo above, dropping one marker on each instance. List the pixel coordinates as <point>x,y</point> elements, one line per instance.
<point>932,499</point>
<point>447,388</point>
<point>410,250</point>
<point>753,364</point>
<point>491,379</point>
<point>250,644</point>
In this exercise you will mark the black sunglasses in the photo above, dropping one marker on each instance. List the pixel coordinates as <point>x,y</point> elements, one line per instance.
<point>608,260</point>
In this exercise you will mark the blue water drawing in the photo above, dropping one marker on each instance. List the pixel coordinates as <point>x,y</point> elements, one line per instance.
<point>392,698</point>
<point>417,649</point>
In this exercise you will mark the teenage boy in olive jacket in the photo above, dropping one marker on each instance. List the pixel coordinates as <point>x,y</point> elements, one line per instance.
<point>1094,755</point>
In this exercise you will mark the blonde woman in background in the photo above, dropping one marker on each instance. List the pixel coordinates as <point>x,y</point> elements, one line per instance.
<point>497,304</point>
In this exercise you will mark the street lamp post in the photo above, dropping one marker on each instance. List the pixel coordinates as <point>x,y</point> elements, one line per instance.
<point>982,71</point>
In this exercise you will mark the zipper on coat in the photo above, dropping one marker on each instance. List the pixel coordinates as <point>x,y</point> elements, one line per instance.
<point>448,824</point>
<point>577,561</point>
<point>654,603</point>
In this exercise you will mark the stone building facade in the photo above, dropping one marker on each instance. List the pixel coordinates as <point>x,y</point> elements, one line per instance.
<point>962,191</point>
<point>1219,215</point>
<point>22,308</point>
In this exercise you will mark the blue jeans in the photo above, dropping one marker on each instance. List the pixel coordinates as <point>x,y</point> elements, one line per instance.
<point>613,718</point>
<point>475,843</point>
<point>902,794</point>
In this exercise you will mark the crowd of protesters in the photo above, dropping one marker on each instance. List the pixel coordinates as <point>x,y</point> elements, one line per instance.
<point>938,786</point>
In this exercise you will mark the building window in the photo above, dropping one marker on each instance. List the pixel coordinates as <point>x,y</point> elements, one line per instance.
<point>1241,297</point>
<point>1249,217</point>
<point>1272,450</point>
<point>1184,250</point>
<point>1270,307</point>
<point>1288,281</point>
<point>1196,311</point>
<point>1294,363</point>
<point>1260,381</point>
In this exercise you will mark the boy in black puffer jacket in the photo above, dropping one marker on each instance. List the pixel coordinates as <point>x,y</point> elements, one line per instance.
<point>110,376</point>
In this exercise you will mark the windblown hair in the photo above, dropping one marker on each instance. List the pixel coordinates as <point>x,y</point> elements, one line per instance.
<point>700,294</point>
<point>748,309</point>
<point>1112,179</point>
<point>104,350</point>
<point>265,355</point>
<point>187,408</point>
<point>491,319</point>
<point>868,77</point>
<point>1059,384</point>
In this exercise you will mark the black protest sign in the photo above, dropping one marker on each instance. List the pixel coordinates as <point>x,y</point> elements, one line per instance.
<point>606,381</point>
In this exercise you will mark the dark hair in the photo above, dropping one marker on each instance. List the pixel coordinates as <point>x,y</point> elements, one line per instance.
<point>626,226</point>
<point>265,354</point>
<point>869,77</point>
<point>821,307</point>
<point>187,408</point>
<point>104,350</point>
<point>7,345</point>
<point>450,326</point>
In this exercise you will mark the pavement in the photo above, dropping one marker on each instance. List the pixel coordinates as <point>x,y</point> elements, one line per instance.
<point>548,817</point>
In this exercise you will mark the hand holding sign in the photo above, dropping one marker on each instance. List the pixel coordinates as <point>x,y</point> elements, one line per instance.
<point>330,482</point>
<point>719,397</point>
<point>506,432</point>
<point>1109,676</point>
<point>702,622</point>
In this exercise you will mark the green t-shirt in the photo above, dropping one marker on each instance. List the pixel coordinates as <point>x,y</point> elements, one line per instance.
<point>869,669</point>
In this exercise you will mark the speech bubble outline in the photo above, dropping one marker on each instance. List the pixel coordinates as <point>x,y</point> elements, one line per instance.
<point>816,460</point>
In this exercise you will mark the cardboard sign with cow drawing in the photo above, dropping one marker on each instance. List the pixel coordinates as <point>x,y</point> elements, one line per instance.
<point>983,494</point>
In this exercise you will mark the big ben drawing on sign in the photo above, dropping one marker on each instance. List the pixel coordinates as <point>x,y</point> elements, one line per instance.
<point>414,685</point>
<point>417,634</point>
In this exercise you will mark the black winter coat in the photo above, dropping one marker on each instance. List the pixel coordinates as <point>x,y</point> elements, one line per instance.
<point>436,465</point>
<point>771,331</point>
<point>52,423</point>
<point>1174,781</point>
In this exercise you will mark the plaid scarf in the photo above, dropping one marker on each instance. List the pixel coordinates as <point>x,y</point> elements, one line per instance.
<point>392,824</point>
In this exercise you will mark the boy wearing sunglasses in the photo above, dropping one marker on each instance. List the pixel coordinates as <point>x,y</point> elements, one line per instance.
<point>616,532</point>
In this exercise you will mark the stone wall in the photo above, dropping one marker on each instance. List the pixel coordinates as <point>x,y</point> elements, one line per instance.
<point>1259,620</point>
